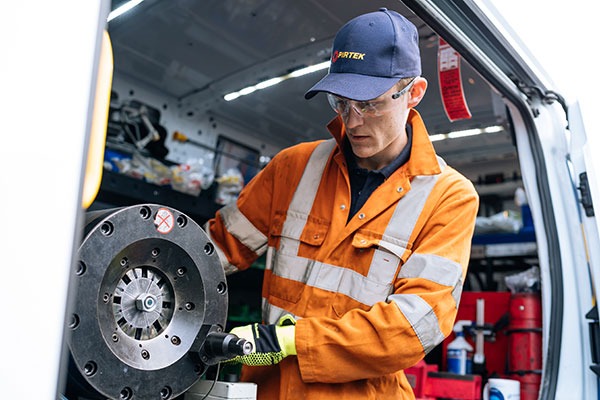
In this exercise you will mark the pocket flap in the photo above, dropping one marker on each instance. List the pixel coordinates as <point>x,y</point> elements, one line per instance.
<point>365,239</point>
<point>315,231</point>
<point>307,229</point>
<point>396,248</point>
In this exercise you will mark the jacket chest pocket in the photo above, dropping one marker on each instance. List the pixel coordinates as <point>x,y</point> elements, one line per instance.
<point>387,257</point>
<point>298,232</point>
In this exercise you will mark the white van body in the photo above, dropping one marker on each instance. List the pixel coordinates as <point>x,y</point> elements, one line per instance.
<point>48,85</point>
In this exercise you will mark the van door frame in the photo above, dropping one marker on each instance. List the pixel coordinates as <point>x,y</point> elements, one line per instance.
<point>471,33</point>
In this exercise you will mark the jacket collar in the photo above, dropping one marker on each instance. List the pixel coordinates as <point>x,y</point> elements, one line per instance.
<point>423,159</point>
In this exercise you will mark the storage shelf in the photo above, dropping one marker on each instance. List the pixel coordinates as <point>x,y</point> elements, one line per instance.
<point>121,190</point>
<point>506,188</point>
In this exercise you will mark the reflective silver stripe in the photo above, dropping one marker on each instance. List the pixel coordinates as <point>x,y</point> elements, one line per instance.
<point>409,208</point>
<point>456,293</point>
<point>349,283</point>
<point>227,267</point>
<point>435,269</point>
<point>441,163</point>
<point>306,191</point>
<point>292,228</point>
<point>242,229</point>
<point>422,318</point>
<point>332,278</point>
<point>269,258</point>
<point>274,313</point>
<point>304,196</point>
<point>385,262</point>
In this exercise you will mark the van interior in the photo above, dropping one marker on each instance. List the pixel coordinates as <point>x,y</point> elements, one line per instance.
<point>205,93</point>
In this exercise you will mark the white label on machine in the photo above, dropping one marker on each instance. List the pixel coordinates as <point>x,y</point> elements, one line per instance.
<point>164,221</point>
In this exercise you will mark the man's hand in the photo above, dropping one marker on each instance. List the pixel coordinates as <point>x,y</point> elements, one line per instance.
<point>271,343</point>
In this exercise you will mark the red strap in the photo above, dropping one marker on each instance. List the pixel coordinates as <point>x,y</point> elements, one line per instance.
<point>451,88</point>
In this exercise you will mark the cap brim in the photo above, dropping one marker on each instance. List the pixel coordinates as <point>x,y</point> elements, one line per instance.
<point>352,86</point>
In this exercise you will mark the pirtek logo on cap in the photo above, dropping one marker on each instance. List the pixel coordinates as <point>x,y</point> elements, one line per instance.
<point>347,54</point>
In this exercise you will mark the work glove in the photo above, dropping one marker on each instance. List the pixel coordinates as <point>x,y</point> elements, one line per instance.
<point>271,343</point>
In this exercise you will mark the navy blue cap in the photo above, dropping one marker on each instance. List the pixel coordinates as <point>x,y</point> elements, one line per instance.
<point>370,54</point>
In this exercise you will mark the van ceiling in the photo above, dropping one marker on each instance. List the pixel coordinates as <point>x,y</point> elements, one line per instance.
<point>196,51</point>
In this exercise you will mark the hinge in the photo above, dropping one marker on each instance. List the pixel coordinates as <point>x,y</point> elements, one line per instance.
<point>586,197</point>
<point>548,97</point>
<point>592,315</point>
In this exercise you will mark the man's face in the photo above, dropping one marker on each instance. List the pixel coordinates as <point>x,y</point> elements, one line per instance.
<point>376,140</point>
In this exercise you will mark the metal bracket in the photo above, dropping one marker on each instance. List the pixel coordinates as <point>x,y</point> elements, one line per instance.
<point>594,330</point>
<point>586,197</point>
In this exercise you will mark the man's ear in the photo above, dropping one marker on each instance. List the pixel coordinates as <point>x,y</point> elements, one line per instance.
<point>417,91</point>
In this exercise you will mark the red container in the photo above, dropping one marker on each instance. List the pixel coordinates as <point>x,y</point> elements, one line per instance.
<point>525,343</point>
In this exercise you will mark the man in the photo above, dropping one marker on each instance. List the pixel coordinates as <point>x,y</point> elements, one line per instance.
<point>367,235</point>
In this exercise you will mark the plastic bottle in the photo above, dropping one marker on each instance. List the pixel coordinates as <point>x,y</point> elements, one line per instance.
<point>459,356</point>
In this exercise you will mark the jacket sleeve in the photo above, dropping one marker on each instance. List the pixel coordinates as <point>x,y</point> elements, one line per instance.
<point>240,230</point>
<point>395,334</point>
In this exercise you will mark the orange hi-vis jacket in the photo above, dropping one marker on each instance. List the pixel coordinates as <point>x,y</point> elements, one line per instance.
<point>372,295</point>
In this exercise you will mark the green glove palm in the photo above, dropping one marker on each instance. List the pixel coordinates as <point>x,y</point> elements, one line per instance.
<point>271,343</point>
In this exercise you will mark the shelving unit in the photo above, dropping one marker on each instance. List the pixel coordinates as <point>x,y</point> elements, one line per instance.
<point>502,253</point>
<point>118,190</point>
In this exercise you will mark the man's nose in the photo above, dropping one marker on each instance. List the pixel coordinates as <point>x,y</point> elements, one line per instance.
<point>353,117</point>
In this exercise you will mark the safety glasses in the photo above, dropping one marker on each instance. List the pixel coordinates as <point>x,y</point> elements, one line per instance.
<point>369,108</point>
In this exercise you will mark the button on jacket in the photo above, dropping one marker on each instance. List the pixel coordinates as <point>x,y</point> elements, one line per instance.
<point>373,294</point>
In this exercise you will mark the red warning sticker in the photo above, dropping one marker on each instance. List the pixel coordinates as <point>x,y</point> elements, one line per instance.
<point>451,88</point>
<point>164,220</point>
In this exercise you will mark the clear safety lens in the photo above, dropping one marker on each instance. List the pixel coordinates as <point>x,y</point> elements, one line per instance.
<point>369,108</point>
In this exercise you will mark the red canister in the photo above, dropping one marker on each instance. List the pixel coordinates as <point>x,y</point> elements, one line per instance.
<point>525,343</point>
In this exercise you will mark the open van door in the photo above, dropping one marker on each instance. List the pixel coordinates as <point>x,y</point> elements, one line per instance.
<point>51,82</point>
<point>561,185</point>
<point>585,184</point>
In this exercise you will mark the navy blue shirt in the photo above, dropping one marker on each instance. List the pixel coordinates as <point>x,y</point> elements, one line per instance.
<point>364,182</point>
